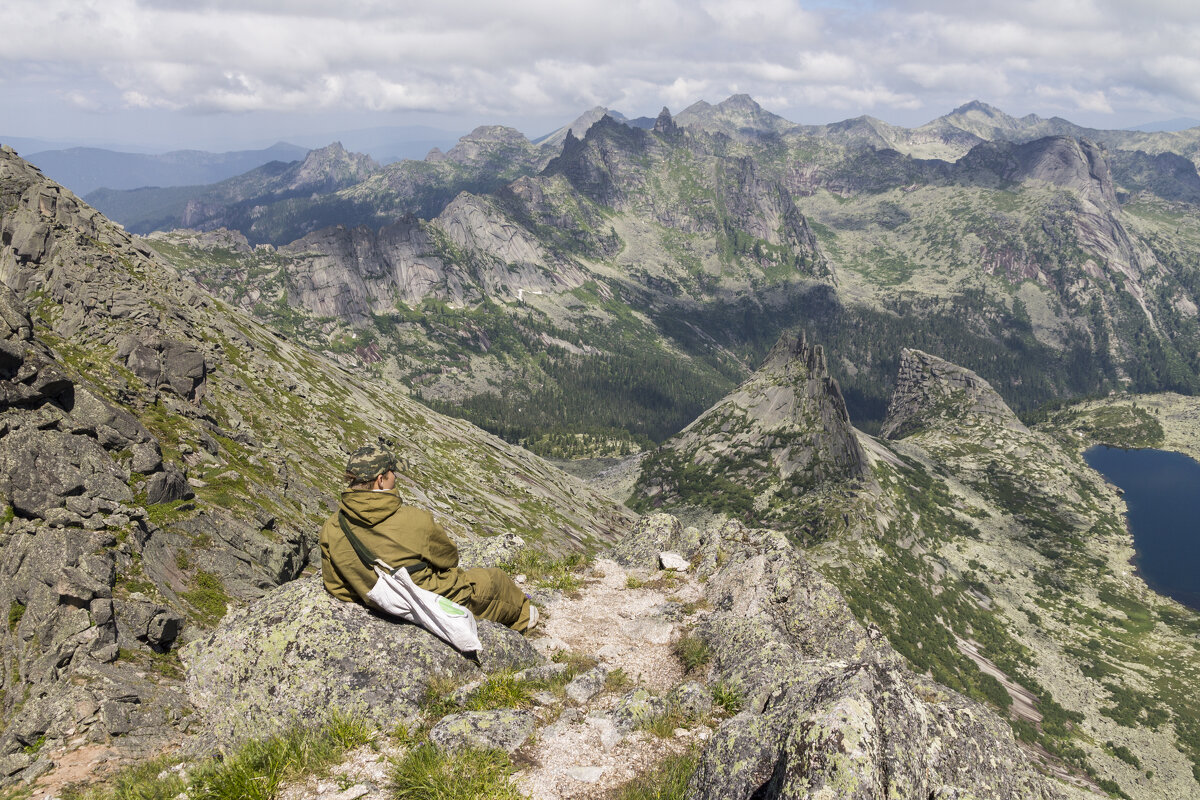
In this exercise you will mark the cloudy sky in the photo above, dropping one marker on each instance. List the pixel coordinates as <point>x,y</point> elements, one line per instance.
<point>227,73</point>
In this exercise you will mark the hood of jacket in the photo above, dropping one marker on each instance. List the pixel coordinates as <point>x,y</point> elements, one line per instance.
<point>369,507</point>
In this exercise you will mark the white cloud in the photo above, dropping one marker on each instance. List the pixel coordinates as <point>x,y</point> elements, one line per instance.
<point>547,57</point>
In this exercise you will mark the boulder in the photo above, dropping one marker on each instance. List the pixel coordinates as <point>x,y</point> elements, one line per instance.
<point>114,428</point>
<point>637,707</point>
<point>141,623</point>
<point>297,653</point>
<point>651,535</point>
<point>691,698</point>
<point>166,364</point>
<point>504,729</point>
<point>166,486</point>
<point>42,471</point>
<point>586,686</point>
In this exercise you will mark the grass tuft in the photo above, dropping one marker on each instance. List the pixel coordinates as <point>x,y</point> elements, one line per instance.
<point>426,773</point>
<point>548,573</point>
<point>727,698</point>
<point>501,690</point>
<point>667,781</point>
<point>255,771</point>
<point>692,652</point>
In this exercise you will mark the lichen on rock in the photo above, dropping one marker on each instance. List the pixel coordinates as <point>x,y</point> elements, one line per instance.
<point>298,653</point>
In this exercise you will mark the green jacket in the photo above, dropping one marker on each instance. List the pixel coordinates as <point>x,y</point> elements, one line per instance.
<point>394,532</point>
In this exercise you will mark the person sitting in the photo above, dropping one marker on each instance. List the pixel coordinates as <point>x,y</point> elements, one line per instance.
<point>405,536</point>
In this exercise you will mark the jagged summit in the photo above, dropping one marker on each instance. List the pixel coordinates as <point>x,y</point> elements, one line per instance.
<point>664,124</point>
<point>932,391</point>
<point>784,431</point>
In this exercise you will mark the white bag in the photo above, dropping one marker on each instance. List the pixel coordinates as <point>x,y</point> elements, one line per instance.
<point>396,594</point>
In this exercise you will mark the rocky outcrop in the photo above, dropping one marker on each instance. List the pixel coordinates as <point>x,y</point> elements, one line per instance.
<point>472,249</point>
<point>1063,161</point>
<point>166,364</point>
<point>829,709</point>
<point>783,432</point>
<point>299,653</point>
<point>930,392</point>
<point>350,273</point>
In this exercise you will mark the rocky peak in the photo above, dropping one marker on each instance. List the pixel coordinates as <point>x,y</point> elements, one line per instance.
<point>738,116</point>
<point>1064,161</point>
<point>330,168</point>
<point>931,390</point>
<point>783,432</point>
<point>742,103</point>
<point>664,125</point>
<point>487,141</point>
<point>596,164</point>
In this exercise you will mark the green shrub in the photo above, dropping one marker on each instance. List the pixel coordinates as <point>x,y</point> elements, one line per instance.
<point>15,612</point>
<point>616,680</point>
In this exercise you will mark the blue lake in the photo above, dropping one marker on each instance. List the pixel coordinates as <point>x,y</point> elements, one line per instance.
<point>1162,491</point>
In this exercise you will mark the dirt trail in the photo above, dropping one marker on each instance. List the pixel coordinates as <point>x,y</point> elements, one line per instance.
<point>577,752</point>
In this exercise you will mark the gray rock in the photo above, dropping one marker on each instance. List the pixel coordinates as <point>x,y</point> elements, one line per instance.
<point>504,729</point>
<point>691,698</point>
<point>13,763</point>
<point>40,469</point>
<point>141,623</point>
<point>37,769</point>
<point>165,363</point>
<point>587,685</point>
<point>298,652</point>
<point>636,708</point>
<point>167,486</point>
<point>651,535</point>
<point>673,561</point>
<point>114,428</point>
<point>542,672</point>
<point>15,323</point>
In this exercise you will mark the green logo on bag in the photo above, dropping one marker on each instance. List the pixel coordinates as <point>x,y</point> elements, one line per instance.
<point>451,608</point>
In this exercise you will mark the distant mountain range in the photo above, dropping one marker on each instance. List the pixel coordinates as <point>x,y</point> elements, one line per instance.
<point>85,169</point>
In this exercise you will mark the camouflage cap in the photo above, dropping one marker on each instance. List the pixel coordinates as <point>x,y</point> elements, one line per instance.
<point>368,463</point>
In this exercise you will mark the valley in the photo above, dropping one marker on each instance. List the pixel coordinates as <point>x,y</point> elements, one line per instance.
<point>881,349</point>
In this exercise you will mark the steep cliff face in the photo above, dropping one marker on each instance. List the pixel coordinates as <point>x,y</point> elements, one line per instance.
<point>758,451</point>
<point>165,459</point>
<point>933,393</point>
